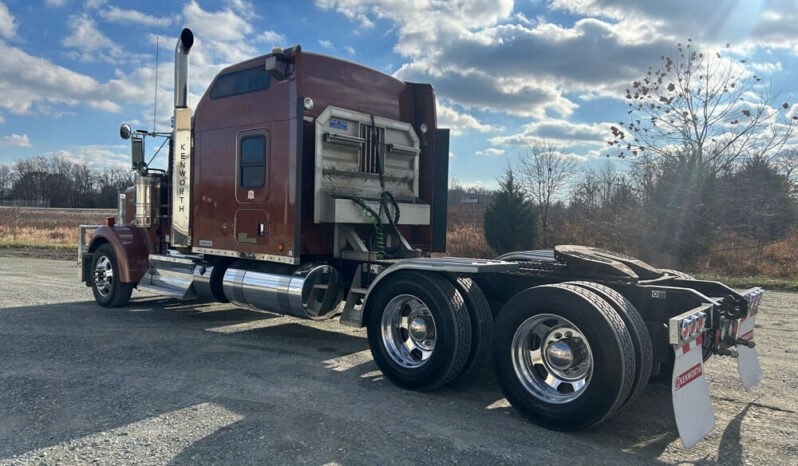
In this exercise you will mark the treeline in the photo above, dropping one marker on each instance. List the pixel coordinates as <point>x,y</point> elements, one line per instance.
<point>58,182</point>
<point>671,210</point>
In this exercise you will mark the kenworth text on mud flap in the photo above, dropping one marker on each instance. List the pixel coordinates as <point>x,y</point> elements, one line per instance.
<point>315,187</point>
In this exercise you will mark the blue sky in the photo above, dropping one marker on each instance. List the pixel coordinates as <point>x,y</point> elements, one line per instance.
<point>506,73</point>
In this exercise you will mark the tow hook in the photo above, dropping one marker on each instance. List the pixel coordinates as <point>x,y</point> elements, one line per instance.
<point>746,343</point>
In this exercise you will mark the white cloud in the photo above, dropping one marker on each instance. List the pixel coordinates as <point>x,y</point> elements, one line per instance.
<point>2,120</point>
<point>459,122</point>
<point>8,25</point>
<point>96,156</point>
<point>90,4</point>
<point>350,50</point>
<point>490,152</point>
<point>327,44</point>
<point>766,67</point>
<point>20,140</point>
<point>118,15</point>
<point>559,132</point>
<point>271,37</point>
<point>25,80</point>
<point>224,25</point>
<point>55,3</point>
<point>89,44</point>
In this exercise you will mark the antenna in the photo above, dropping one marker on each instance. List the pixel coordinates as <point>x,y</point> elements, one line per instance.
<point>155,94</point>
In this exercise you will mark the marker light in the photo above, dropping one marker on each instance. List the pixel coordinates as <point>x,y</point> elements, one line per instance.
<point>307,103</point>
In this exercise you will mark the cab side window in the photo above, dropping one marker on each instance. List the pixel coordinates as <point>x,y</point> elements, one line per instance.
<point>253,162</point>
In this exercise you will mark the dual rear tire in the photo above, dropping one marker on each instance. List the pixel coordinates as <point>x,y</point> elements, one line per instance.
<point>567,356</point>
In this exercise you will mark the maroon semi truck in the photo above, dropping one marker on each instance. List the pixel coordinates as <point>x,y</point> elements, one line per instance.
<point>315,187</point>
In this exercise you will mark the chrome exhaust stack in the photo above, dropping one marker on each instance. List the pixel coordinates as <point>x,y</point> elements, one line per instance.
<point>181,146</point>
<point>311,291</point>
<point>184,44</point>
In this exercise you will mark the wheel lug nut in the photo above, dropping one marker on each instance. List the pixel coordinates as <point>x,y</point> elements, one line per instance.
<point>568,334</point>
<point>558,335</point>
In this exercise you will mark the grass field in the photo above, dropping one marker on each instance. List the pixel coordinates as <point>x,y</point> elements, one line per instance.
<point>46,228</point>
<point>777,268</point>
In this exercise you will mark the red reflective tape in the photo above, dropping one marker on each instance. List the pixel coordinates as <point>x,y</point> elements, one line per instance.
<point>700,340</point>
<point>686,348</point>
<point>749,335</point>
<point>688,376</point>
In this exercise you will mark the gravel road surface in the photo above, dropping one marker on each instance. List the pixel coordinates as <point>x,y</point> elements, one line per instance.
<point>162,381</point>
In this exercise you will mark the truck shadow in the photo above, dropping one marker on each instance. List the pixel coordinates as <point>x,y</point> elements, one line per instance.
<point>292,391</point>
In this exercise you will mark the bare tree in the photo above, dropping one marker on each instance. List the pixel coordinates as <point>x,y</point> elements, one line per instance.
<point>5,180</point>
<point>707,107</point>
<point>545,172</point>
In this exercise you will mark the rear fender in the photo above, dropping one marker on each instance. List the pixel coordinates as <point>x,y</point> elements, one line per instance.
<point>131,246</point>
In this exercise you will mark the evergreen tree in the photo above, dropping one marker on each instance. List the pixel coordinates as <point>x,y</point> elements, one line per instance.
<point>510,222</point>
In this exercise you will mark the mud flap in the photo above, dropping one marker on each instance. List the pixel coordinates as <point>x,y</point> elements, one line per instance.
<point>747,359</point>
<point>692,406</point>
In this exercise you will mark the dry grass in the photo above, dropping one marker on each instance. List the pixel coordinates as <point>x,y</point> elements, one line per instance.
<point>737,264</point>
<point>465,236</point>
<point>46,227</point>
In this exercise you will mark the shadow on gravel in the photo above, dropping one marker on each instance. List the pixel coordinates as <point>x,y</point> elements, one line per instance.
<point>276,390</point>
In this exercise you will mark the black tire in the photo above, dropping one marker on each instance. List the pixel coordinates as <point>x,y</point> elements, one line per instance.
<point>481,318</point>
<point>113,293</point>
<point>644,352</point>
<point>678,274</point>
<point>609,341</point>
<point>452,329</point>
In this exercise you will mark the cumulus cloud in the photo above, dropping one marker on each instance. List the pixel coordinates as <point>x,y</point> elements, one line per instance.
<point>270,37</point>
<point>25,80</point>
<point>20,140</point>
<point>8,25</point>
<point>327,44</point>
<point>560,132</point>
<point>118,15</point>
<point>88,43</point>
<point>55,3</point>
<point>96,156</point>
<point>459,122</point>
<point>490,152</point>
<point>224,25</point>
<point>480,53</point>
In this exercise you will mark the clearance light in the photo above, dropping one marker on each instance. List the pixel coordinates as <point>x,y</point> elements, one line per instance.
<point>686,327</point>
<point>110,221</point>
<point>307,102</point>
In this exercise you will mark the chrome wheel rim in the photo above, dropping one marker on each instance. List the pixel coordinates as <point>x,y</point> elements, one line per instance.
<point>408,331</point>
<point>552,358</point>
<point>103,276</point>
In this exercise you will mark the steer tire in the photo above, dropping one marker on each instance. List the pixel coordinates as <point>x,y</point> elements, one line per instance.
<point>112,293</point>
<point>451,323</point>
<point>610,344</point>
<point>644,352</point>
<point>481,318</point>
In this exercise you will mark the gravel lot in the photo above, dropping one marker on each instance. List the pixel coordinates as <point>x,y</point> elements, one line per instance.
<point>162,381</point>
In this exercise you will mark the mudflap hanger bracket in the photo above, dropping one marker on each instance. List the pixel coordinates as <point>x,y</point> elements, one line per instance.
<point>692,406</point>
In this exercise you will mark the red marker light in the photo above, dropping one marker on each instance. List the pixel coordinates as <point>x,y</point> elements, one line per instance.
<point>110,221</point>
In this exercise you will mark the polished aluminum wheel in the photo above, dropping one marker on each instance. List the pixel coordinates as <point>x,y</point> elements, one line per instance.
<point>552,358</point>
<point>408,331</point>
<point>103,276</point>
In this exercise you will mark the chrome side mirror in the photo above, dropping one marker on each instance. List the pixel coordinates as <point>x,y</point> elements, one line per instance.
<point>124,131</point>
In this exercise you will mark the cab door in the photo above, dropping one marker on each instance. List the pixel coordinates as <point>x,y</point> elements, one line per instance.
<point>251,230</point>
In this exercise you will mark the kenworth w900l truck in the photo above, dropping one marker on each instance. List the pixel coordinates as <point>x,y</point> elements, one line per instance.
<point>315,187</point>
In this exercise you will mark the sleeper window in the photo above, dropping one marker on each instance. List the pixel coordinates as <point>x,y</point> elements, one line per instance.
<point>253,162</point>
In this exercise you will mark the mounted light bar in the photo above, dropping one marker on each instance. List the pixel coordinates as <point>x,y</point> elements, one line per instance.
<point>686,327</point>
